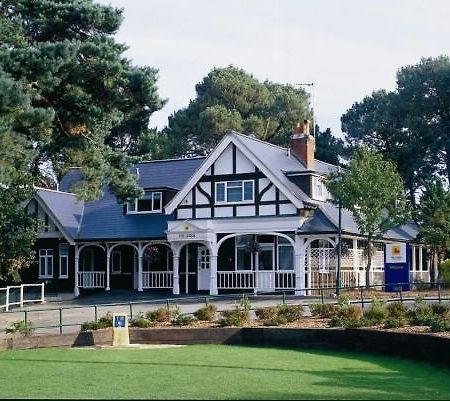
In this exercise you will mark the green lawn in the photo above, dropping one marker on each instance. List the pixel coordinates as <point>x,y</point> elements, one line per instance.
<point>216,372</point>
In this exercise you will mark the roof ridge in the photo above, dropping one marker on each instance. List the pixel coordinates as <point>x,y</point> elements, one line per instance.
<point>173,159</point>
<point>54,190</point>
<point>258,140</point>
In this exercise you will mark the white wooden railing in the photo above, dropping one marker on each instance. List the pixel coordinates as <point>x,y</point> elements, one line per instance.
<point>162,279</point>
<point>248,279</point>
<point>92,279</point>
<point>235,280</point>
<point>22,295</point>
<point>420,276</point>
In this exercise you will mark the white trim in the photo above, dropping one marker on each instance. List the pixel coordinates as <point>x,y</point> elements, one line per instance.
<point>230,138</point>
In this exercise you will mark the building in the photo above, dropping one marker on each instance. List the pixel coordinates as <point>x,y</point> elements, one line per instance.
<point>250,216</point>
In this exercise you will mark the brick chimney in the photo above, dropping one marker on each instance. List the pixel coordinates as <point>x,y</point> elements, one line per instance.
<point>303,144</point>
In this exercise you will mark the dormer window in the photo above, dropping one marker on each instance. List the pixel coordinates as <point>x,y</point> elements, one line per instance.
<point>234,191</point>
<point>150,202</point>
<point>319,188</point>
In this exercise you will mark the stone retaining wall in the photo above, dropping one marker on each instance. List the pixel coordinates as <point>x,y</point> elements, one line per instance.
<point>425,347</point>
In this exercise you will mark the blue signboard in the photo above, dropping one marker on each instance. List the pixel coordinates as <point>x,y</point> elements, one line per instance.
<point>397,260</point>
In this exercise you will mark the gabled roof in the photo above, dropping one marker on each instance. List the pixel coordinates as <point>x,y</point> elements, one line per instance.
<point>273,161</point>
<point>64,209</point>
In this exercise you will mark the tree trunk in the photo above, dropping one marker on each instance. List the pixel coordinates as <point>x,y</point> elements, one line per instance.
<point>369,262</point>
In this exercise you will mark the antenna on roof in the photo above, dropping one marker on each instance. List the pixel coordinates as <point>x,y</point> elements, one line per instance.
<point>312,104</point>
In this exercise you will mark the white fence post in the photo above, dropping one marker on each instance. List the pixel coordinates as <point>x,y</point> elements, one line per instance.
<point>21,295</point>
<point>7,299</point>
<point>42,294</point>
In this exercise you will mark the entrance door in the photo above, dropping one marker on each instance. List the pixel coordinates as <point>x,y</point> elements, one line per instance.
<point>203,268</point>
<point>266,265</point>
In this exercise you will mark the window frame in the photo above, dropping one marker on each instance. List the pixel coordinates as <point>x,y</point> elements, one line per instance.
<point>135,201</point>
<point>66,257</point>
<point>286,244</point>
<point>116,252</point>
<point>44,253</point>
<point>226,184</point>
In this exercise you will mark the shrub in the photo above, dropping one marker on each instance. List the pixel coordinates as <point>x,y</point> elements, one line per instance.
<point>438,325</point>
<point>275,321</point>
<point>161,315</point>
<point>350,312</point>
<point>22,327</point>
<point>291,313</point>
<point>102,323</point>
<point>421,314</point>
<point>343,300</point>
<point>182,319</point>
<point>324,311</point>
<point>244,303</point>
<point>377,312</point>
<point>394,322</point>
<point>106,321</point>
<point>397,310</point>
<point>440,310</point>
<point>141,321</point>
<point>268,313</point>
<point>234,317</point>
<point>207,313</point>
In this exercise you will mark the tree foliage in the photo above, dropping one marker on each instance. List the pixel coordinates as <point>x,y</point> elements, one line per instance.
<point>64,56</point>
<point>433,217</point>
<point>372,190</point>
<point>328,147</point>
<point>231,99</point>
<point>410,125</point>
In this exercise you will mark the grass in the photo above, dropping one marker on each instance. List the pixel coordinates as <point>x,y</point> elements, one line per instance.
<point>216,372</point>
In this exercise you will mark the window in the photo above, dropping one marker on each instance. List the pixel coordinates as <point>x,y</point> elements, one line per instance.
<point>45,263</point>
<point>150,202</point>
<point>88,260</point>
<point>319,191</point>
<point>234,191</point>
<point>285,254</point>
<point>116,262</point>
<point>244,257</point>
<point>63,260</point>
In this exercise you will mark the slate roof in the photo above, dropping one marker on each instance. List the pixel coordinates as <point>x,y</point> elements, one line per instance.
<point>104,217</point>
<point>65,208</point>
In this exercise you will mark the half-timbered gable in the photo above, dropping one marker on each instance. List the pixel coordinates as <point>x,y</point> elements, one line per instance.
<point>237,183</point>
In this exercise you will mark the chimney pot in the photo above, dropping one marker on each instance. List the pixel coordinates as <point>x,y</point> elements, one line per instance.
<point>303,144</point>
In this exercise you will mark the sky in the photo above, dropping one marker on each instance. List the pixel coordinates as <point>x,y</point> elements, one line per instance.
<point>346,48</point>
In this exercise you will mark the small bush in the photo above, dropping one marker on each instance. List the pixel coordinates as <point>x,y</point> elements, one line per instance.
<point>141,321</point>
<point>268,313</point>
<point>323,311</point>
<point>106,321</point>
<point>394,322</point>
<point>207,313</point>
<point>337,321</point>
<point>276,321</point>
<point>440,310</point>
<point>21,327</point>
<point>350,312</point>
<point>161,315</point>
<point>377,312</point>
<point>344,300</point>
<point>234,317</point>
<point>421,314</point>
<point>102,323</point>
<point>397,310</point>
<point>244,303</point>
<point>182,319</point>
<point>438,325</point>
<point>291,313</point>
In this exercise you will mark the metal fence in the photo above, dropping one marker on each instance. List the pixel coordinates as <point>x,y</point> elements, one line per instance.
<point>59,318</point>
